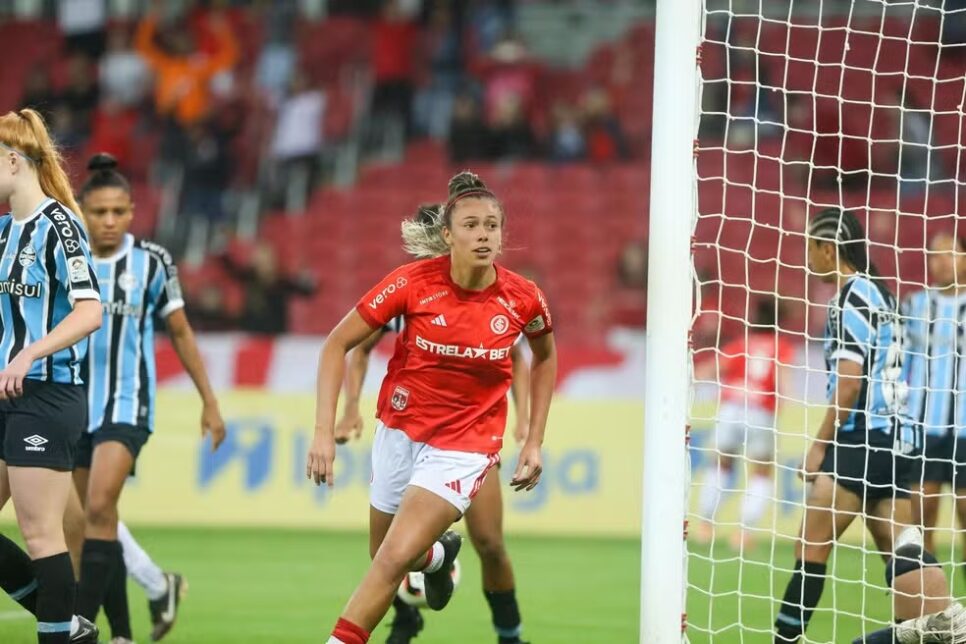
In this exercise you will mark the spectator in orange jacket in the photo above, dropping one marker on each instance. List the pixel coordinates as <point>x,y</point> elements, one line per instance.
<point>182,73</point>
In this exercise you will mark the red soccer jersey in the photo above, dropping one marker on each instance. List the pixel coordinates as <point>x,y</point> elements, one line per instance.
<point>749,369</point>
<point>448,377</point>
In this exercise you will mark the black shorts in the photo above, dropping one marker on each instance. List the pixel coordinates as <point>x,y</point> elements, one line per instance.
<point>41,427</point>
<point>944,460</point>
<point>133,437</point>
<point>871,472</point>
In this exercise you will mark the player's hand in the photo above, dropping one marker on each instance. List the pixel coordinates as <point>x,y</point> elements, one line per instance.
<point>813,462</point>
<point>521,431</point>
<point>349,427</point>
<point>318,466</point>
<point>529,468</point>
<point>212,424</point>
<point>11,378</point>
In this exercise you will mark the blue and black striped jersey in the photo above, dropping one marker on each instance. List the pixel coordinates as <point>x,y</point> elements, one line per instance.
<point>863,327</point>
<point>45,267</point>
<point>138,283</point>
<point>935,324</point>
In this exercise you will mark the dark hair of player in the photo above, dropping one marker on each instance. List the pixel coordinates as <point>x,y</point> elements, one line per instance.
<point>467,185</point>
<point>842,228</point>
<point>104,174</point>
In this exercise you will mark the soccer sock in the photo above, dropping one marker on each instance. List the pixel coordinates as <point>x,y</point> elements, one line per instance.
<point>98,562</point>
<point>115,603</point>
<point>756,500</point>
<point>801,597</point>
<point>55,598</point>
<point>713,493</point>
<point>506,615</point>
<point>346,632</point>
<point>434,558</point>
<point>140,565</point>
<point>17,575</point>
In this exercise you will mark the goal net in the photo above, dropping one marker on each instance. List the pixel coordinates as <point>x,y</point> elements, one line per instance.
<point>806,105</point>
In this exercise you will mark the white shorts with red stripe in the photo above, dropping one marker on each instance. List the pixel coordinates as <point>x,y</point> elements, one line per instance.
<point>398,462</point>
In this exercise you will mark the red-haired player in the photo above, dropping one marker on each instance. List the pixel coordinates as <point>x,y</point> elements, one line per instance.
<point>442,407</point>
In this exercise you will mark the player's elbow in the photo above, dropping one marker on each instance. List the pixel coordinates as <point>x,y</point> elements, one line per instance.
<point>89,315</point>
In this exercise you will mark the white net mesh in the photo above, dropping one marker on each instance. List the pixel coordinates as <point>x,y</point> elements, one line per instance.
<point>808,105</point>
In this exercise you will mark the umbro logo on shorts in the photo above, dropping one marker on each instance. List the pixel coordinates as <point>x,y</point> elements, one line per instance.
<point>439,320</point>
<point>35,443</point>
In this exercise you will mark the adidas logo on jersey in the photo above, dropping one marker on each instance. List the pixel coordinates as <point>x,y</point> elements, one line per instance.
<point>439,320</point>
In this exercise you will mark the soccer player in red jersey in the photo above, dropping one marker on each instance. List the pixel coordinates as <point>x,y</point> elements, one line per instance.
<point>748,369</point>
<point>442,407</point>
<point>422,238</point>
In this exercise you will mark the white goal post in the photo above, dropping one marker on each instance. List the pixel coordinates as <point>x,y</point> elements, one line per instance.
<point>669,299</point>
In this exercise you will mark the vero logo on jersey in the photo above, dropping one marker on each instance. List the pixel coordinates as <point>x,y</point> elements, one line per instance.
<point>454,350</point>
<point>35,443</point>
<point>398,285</point>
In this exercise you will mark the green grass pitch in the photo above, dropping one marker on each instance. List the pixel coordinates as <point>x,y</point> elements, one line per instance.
<point>288,586</point>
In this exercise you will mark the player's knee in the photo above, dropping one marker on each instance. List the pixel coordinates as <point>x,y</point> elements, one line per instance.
<point>491,548</point>
<point>101,511</point>
<point>908,558</point>
<point>395,560</point>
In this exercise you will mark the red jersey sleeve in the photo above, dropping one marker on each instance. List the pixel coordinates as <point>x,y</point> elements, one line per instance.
<point>387,299</point>
<point>786,352</point>
<point>539,321</point>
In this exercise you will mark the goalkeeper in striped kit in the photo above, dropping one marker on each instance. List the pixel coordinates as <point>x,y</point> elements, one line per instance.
<point>933,320</point>
<point>862,460</point>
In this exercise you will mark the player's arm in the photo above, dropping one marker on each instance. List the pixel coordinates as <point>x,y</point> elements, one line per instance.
<point>84,319</point>
<point>349,333</point>
<point>847,390</point>
<point>520,392</point>
<point>184,343</point>
<point>543,377</point>
<point>350,425</point>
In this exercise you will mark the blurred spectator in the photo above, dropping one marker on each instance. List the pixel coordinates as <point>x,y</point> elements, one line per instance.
<point>919,161</point>
<point>276,62</point>
<point>83,23</point>
<point>510,134</point>
<point>566,138</point>
<point>38,92</point>
<point>298,137</point>
<point>182,72</point>
<point>605,137</point>
<point>208,310</point>
<point>468,138</point>
<point>207,170</point>
<point>393,53</point>
<point>112,131</point>
<point>81,94</point>
<point>433,105</point>
<point>124,75</point>
<point>267,291</point>
<point>506,75</point>
<point>490,21</point>
<point>632,266</point>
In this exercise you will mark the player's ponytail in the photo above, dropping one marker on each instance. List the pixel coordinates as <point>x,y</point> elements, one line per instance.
<point>103,174</point>
<point>422,233</point>
<point>462,186</point>
<point>26,133</point>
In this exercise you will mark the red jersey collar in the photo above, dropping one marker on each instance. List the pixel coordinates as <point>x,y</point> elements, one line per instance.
<point>465,294</point>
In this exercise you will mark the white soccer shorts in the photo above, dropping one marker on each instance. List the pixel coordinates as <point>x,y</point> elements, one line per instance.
<point>745,431</point>
<point>398,462</point>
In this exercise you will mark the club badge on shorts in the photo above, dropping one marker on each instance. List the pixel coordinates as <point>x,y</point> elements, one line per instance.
<point>400,398</point>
